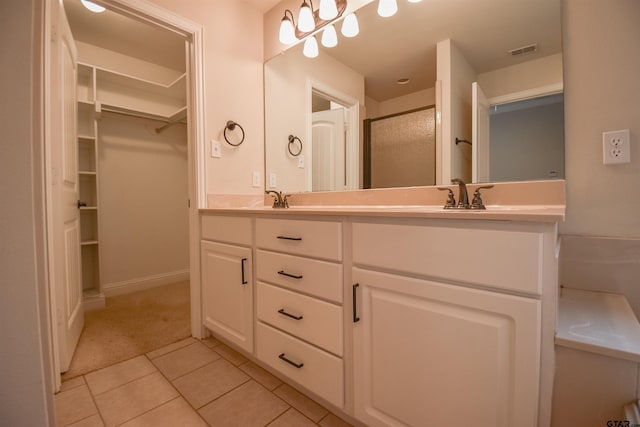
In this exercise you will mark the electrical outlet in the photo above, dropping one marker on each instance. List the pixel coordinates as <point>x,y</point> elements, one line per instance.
<point>272,180</point>
<point>616,147</point>
<point>256,179</point>
<point>216,149</point>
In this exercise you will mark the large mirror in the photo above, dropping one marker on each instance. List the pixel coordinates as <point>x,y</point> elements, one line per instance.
<point>442,89</point>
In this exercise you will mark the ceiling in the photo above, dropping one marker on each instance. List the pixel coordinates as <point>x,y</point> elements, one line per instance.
<point>125,35</point>
<point>404,45</point>
<point>386,49</point>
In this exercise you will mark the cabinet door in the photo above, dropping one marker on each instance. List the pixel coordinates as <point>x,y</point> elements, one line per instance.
<point>227,292</point>
<point>432,354</point>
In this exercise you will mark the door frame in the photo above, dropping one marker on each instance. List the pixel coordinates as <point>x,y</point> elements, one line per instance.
<point>194,33</point>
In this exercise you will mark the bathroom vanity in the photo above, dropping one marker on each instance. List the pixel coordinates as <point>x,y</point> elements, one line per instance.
<point>396,315</point>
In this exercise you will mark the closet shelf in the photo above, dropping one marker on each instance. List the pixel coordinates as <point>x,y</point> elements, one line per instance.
<point>164,116</point>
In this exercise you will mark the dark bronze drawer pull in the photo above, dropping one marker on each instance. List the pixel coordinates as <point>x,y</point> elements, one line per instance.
<point>281,311</point>
<point>293,276</point>
<point>356,319</point>
<point>290,238</point>
<point>244,281</point>
<point>297,365</point>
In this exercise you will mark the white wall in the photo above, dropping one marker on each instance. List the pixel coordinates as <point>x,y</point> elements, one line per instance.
<point>233,84</point>
<point>26,387</point>
<point>456,76</point>
<point>421,98</point>
<point>288,107</point>
<point>535,74</point>
<point>601,200</point>
<point>143,213</point>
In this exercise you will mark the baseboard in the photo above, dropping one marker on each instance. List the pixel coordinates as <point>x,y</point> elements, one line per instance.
<point>142,283</point>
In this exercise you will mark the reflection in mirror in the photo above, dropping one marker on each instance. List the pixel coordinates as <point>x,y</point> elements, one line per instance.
<point>506,50</point>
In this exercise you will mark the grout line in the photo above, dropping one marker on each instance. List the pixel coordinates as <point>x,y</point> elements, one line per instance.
<point>93,398</point>
<point>123,384</point>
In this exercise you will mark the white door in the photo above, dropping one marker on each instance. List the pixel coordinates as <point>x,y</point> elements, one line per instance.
<point>227,292</point>
<point>64,247</point>
<point>433,354</point>
<point>480,134</point>
<point>328,151</point>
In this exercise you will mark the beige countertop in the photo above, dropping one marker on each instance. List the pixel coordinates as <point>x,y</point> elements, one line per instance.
<point>533,201</point>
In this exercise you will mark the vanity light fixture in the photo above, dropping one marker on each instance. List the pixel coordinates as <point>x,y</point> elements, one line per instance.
<point>309,21</point>
<point>287,30</point>
<point>350,26</point>
<point>310,49</point>
<point>328,10</point>
<point>306,22</point>
<point>415,1</point>
<point>387,8</point>
<point>329,36</point>
<point>96,8</point>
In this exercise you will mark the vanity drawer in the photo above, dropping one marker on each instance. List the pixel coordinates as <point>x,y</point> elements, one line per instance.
<point>317,370</point>
<point>310,319</point>
<point>500,258</point>
<point>227,229</point>
<point>321,239</point>
<point>311,276</point>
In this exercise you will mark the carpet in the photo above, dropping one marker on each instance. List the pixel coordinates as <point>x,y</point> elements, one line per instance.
<point>131,325</point>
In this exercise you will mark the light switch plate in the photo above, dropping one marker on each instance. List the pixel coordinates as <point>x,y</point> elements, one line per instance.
<point>272,180</point>
<point>256,179</point>
<point>216,149</point>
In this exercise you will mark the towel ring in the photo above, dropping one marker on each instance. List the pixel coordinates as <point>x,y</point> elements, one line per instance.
<point>231,125</point>
<point>292,140</point>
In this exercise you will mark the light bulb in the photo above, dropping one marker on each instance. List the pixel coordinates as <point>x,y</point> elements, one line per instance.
<point>287,32</point>
<point>329,37</point>
<point>92,6</point>
<point>387,8</point>
<point>306,22</point>
<point>328,10</point>
<point>310,49</point>
<point>350,26</point>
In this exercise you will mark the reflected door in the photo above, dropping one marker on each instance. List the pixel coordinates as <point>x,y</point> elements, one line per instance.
<point>480,134</point>
<point>328,151</point>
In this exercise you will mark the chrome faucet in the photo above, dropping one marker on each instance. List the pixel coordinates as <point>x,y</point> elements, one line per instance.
<point>463,196</point>
<point>279,200</point>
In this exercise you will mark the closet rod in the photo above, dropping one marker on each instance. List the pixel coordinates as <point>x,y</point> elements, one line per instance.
<point>133,114</point>
<point>167,125</point>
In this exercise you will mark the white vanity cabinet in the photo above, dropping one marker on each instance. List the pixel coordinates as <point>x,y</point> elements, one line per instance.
<point>227,279</point>
<point>449,332</point>
<point>299,328</point>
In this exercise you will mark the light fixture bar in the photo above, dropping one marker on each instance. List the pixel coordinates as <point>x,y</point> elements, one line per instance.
<point>319,23</point>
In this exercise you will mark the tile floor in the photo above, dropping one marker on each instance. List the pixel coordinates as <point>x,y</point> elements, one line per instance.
<point>189,383</point>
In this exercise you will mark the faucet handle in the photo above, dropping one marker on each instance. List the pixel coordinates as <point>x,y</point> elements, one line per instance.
<point>451,200</point>
<point>285,200</point>
<point>477,203</point>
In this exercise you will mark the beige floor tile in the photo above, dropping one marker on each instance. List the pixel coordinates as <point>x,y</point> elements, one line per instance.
<point>211,342</point>
<point>92,421</point>
<point>172,414</point>
<point>121,373</point>
<point>332,420</point>
<point>230,354</point>
<point>292,418</point>
<point>301,402</point>
<point>185,360</point>
<point>209,382</point>
<point>135,398</point>
<point>74,405</point>
<point>247,406</point>
<point>260,375</point>
<point>72,383</point>
<point>171,347</point>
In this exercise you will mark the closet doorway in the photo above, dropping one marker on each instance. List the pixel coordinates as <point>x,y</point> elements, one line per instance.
<point>137,175</point>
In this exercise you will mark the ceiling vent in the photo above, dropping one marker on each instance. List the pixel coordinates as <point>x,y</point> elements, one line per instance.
<point>524,50</point>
